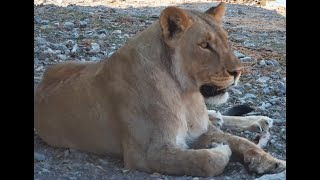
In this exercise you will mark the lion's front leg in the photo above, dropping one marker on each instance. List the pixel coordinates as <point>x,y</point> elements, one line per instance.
<point>249,153</point>
<point>170,159</point>
<point>239,123</point>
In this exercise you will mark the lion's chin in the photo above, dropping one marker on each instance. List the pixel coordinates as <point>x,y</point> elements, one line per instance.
<point>217,99</point>
<point>213,96</point>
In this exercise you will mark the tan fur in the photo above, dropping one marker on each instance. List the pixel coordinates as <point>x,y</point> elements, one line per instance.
<point>143,103</point>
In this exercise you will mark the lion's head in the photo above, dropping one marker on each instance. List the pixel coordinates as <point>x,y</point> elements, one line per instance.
<point>201,56</point>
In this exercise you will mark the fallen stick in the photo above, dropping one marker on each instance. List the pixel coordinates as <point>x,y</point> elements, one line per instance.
<point>263,141</point>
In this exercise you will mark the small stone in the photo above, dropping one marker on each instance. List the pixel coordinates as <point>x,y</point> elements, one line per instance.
<point>68,25</point>
<point>240,12</point>
<point>265,105</point>
<point>249,95</point>
<point>274,100</point>
<point>102,36</point>
<point>95,47</point>
<point>262,63</point>
<point>37,19</point>
<point>266,90</point>
<point>275,62</point>
<point>35,62</point>
<point>40,41</point>
<point>273,141</point>
<point>269,63</point>
<point>44,22</point>
<point>62,56</point>
<point>283,130</point>
<point>94,59</point>
<point>83,24</point>
<point>247,85</point>
<point>238,54</point>
<point>66,153</point>
<point>155,175</point>
<point>40,68</point>
<point>125,171</point>
<point>73,150</point>
<point>103,162</point>
<point>278,121</point>
<point>39,157</point>
<point>248,44</point>
<point>110,54</point>
<point>72,178</point>
<point>103,31</point>
<point>45,170</point>
<point>246,59</point>
<point>117,32</point>
<point>195,178</point>
<point>236,91</point>
<point>281,86</point>
<point>75,48</point>
<point>263,79</point>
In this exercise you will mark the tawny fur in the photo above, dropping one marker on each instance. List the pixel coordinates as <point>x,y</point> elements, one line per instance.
<point>143,103</point>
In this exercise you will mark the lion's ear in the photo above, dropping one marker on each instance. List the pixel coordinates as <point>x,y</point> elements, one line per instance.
<point>173,21</point>
<point>217,12</point>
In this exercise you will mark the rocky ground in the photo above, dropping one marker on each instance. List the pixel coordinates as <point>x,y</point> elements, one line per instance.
<point>93,30</point>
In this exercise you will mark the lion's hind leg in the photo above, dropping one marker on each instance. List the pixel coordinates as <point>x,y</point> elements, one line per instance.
<point>242,149</point>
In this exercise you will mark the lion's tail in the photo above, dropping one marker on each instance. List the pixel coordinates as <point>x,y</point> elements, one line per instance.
<point>238,110</point>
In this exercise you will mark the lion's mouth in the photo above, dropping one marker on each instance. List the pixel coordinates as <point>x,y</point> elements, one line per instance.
<point>211,90</point>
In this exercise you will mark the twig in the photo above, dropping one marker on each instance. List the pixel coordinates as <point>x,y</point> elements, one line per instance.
<point>263,141</point>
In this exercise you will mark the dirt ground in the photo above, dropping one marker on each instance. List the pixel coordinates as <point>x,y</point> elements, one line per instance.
<point>71,29</point>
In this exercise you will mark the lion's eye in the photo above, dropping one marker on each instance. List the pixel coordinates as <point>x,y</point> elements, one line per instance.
<point>204,45</point>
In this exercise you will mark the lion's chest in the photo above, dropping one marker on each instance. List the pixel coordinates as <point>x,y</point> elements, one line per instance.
<point>195,123</point>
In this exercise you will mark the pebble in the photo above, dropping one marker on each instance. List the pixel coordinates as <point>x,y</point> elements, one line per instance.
<point>40,41</point>
<point>241,12</point>
<point>62,56</point>
<point>110,54</point>
<point>39,157</point>
<point>83,24</point>
<point>246,59</point>
<point>238,54</point>
<point>75,48</point>
<point>102,36</point>
<point>262,63</point>
<point>94,58</point>
<point>117,31</point>
<point>263,79</point>
<point>68,26</point>
<point>249,95</point>
<point>266,90</point>
<point>44,22</point>
<point>103,31</point>
<point>265,105</point>
<point>37,19</point>
<point>236,91</point>
<point>95,48</point>
<point>35,62</point>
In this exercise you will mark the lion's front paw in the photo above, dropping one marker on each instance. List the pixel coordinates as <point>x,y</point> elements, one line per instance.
<point>215,118</point>
<point>259,123</point>
<point>221,148</point>
<point>263,163</point>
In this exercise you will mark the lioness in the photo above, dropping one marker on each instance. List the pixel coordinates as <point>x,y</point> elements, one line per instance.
<point>144,102</point>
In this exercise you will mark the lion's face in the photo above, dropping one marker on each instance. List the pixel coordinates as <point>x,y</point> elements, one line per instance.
<point>201,53</point>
